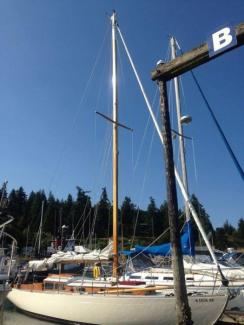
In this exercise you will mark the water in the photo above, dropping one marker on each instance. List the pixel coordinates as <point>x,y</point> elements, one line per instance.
<point>11,316</point>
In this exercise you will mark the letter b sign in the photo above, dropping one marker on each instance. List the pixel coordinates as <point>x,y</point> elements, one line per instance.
<point>221,40</point>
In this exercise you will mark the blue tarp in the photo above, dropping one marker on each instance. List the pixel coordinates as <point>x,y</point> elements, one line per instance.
<point>187,244</point>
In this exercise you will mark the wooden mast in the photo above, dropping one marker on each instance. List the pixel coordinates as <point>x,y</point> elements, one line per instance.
<point>115,147</point>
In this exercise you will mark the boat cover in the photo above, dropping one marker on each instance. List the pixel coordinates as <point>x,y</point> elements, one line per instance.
<point>96,255</point>
<point>187,244</point>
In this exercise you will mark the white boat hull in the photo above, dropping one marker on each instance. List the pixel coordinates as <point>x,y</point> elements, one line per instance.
<point>113,309</point>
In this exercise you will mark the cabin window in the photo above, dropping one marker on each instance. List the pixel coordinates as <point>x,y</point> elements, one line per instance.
<point>136,277</point>
<point>71,268</point>
<point>61,287</point>
<point>151,277</point>
<point>56,286</point>
<point>48,285</point>
<point>190,279</point>
<point>168,278</point>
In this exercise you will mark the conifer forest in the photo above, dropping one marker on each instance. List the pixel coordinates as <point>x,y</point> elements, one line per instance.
<point>91,224</point>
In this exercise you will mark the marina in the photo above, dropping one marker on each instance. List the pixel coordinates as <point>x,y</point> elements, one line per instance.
<point>91,304</point>
<point>90,256</point>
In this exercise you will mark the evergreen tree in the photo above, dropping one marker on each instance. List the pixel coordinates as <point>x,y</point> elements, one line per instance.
<point>3,196</point>
<point>34,213</point>
<point>152,216</point>
<point>163,222</point>
<point>78,215</point>
<point>228,228</point>
<point>203,216</point>
<point>240,233</point>
<point>50,214</point>
<point>221,239</point>
<point>240,229</point>
<point>17,203</point>
<point>103,216</point>
<point>82,209</point>
<point>128,213</point>
<point>68,212</point>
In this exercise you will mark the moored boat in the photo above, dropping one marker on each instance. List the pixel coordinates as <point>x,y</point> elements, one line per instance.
<point>114,303</point>
<point>114,309</point>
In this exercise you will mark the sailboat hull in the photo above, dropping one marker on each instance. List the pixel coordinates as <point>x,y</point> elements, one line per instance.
<point>115,309</point>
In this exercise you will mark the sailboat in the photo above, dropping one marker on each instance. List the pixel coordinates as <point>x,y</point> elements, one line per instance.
<point>63,302</point>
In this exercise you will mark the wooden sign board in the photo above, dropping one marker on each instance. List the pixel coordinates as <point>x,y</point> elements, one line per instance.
<point>222,41</point>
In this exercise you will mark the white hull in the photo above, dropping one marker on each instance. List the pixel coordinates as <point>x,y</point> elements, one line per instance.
<point>115,310</point>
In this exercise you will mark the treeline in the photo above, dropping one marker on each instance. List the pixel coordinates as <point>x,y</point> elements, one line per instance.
<point>91,224</point>
<point>229,236</point>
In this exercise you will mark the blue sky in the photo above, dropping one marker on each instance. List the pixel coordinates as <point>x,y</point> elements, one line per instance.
<point>55,62</point>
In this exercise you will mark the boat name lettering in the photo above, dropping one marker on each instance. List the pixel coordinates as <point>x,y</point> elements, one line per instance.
<point>204,300</point>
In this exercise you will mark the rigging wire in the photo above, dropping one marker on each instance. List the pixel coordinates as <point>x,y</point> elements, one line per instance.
<point>132,150</point>
<point>144,181</point>
<point>102,171</point>
<point>104,161</point>
<point>81,231</point>
<point>98,100</point>
<point>76,114</point>
<point>135,166</point>
<point>103,167</point>
<point>153,242</point>
<point>82,216</point>
<point>122,74</point>
<point>107,142</point>
<point>65,145</point>
<point>145,97</point>
<point>154,99</point>
<point>181,185</point>
<point>104,154</point>
<point>149,151</point>
<point>222,134</point>
<point>194,160</point>
<point>109,214</point>
<point>141,144</point>
<point>231,152</point>
<point>147,161</point>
